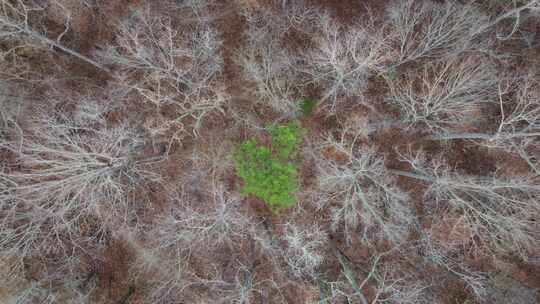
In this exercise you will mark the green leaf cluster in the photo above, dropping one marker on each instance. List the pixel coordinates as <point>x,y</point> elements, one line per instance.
<point>269,173</point>
<point>307,106</point>
<point>285,139</point>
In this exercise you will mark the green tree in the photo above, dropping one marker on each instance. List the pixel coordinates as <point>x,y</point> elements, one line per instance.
<point>269,173</point>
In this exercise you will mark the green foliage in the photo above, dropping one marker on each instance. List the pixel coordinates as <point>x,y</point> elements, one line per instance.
<point>307,106</point>
<point>285,139</point>
<point>268,173</point>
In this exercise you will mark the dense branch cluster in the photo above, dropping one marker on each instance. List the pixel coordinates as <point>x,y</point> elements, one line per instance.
<point>498,210</point>
<point>168,63</point>
<point>446,96</point>
<point>358,183</point>
<point>65,171</point>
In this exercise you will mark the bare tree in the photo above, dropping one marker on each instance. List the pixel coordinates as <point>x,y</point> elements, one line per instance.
<point>443,96</point>
<point>340,60</point>
<point>63,173</point>
<point>15,25</point>
<point>21,287</point>
<point>384,278</point>
<point>201,227</point>
<point>397,284</point>
<point>426,29</point>
<point>193,222</point>
<point>452,262</point>
<point>501,211</point>
<point>11,107</point>
<point>165,277</point>
<point>528,8</point>
<point>519,127</point>
<point>356,181</point>
<point>271,70</point>
<point>161,273</point>
<point>168,65</point>
<point>303,251</point>
<point>266,62</point>
<point>343,59</point>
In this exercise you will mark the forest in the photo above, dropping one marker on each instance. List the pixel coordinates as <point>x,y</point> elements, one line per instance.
<point>270,151</point>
